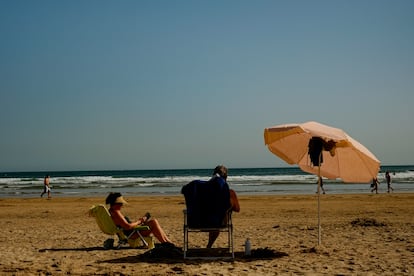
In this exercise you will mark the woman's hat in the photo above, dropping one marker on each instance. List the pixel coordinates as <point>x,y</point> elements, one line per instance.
<point>115,198</point>
<point>120,200</point>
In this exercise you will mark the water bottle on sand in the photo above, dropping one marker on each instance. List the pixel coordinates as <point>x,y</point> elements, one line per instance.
<point>247,247</point>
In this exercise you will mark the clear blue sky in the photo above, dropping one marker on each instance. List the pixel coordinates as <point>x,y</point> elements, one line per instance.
<point>191,84</point>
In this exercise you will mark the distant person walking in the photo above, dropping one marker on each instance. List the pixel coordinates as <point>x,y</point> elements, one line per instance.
<point>322,189</point>
<point>46,187</point>
<point>374,185</point>
<point>388,178</point>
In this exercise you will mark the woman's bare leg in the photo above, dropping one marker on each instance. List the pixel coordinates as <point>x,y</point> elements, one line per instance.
<point>157,231</point>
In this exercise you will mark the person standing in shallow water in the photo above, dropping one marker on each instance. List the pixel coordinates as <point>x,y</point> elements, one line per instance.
<point>388,178</point>
<point>46,187</point>
<point>374,185</point>
<point>322,189</point>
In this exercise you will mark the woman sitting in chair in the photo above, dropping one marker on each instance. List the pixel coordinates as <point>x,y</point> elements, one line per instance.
<point>116,201</point>
<point>221,172</point>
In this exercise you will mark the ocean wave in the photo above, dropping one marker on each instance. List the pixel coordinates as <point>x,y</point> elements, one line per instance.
<point>262,180</point>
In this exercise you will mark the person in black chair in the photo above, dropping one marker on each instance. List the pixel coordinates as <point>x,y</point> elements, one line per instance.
<point>220,178</point>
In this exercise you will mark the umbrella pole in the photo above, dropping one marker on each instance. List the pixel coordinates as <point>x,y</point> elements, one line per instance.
<point>319,199</point>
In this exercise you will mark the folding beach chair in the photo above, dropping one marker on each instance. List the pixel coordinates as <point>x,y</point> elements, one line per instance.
<point>107,225</point>
<point>208,205</point>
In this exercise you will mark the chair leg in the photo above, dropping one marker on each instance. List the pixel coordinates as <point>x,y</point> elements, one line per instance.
<point>185,231</point>
<point>122,239</point>
<point>140,236</point>
<point>232,241</point>
<point>142,239</point>
<point>121,242</point>
<point>185,246</point>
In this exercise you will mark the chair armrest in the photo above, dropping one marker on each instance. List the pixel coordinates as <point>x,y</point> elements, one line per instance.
<point>142,227</point>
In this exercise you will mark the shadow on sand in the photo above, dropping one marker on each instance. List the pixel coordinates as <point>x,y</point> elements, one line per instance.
<point>85,249</point>
<point>176,256</point>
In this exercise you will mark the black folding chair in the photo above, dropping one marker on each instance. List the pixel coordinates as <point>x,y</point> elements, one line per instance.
<point>208,205</point>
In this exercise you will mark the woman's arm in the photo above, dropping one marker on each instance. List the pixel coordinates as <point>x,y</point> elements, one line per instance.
<point>120,220</point>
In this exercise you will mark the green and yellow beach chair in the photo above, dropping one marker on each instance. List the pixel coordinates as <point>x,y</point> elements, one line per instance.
<point>107,225</point>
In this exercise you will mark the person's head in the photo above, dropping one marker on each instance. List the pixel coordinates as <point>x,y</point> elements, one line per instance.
<point>221,170</point>
<point>115,198</point>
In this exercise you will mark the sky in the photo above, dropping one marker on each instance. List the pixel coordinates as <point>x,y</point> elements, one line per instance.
<point>119,85</point>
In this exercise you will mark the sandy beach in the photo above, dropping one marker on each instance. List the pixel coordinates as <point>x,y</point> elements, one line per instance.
<point>362,234</point>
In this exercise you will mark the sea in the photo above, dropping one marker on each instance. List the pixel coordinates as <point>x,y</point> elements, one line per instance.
<point>250,181</point>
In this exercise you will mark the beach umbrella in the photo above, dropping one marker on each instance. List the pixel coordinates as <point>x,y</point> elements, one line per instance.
<point>324,151</point>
